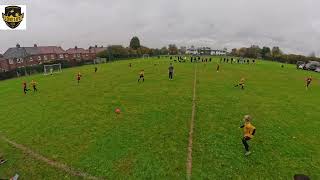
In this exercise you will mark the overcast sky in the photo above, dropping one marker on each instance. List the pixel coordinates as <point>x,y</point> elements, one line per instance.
<point>294,25</point>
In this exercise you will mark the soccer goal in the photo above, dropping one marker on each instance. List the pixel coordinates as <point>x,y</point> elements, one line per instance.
<point>52,68</point>
<point>145,56</point>
<point>100,60</point>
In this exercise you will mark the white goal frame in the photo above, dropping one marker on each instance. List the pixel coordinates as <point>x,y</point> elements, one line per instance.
<point>145,56</point>
<point>99,60</point>
<point>52,68</point>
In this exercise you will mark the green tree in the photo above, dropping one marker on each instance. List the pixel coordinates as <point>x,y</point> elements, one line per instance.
<point>243,52</point>
<point>182,50</point>
<point>276,53</point>
<point>234,52</point>
<point>265,52</point>
<point>173,50</point>
<point>135,43</point>
<point>164,51</point>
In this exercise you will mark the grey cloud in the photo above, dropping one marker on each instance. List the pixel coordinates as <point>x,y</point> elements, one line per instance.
<point>293,25</point>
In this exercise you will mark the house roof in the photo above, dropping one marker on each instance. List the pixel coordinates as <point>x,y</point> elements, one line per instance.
<point>21,52</point>
<point>44,50</point>
<point>97,49</point>
<point>16,52</point>
<point>77,51</point>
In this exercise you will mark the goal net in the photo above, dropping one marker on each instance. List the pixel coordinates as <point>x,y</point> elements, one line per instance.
<point>100,60</point>
<point>145,56</point>
<point>52,68</point>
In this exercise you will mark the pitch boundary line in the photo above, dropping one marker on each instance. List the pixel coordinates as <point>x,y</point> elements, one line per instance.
<point>50,162</point>
<point>189,156</point>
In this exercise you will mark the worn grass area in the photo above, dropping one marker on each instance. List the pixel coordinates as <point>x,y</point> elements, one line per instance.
<point>76,124</point>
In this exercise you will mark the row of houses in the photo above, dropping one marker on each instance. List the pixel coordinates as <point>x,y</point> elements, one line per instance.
<point>205,51</point>
<point>19,57</point>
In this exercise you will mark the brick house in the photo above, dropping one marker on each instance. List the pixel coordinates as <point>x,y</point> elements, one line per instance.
<point>19,57</point>
<point>95,49</point>
<point>4,64</point>
<point>80,54</point>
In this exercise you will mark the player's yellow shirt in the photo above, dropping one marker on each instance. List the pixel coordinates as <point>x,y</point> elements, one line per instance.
<point>248,130</point>
<point>142,73</point>
<point>33,83</point>
<point>242,81</point>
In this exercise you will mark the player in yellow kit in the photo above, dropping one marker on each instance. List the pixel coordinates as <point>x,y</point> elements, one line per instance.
<point>34,86</point>
<point>141,75</point>
<point>308,82</point>
<point>248,132</point>
<point>241,83</point>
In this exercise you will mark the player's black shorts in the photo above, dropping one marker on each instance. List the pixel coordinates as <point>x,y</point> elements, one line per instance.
<point>141,76</point>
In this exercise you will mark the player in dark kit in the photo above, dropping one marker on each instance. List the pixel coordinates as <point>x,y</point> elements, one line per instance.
<point>141,75</point>
<point>248,132</point>
<point>171,70</point>
<point>25,87</point>
<point>218,67</point>
<point>34,86</point>
<point>79,77</point>
<point>308,82</point>
<point>95,69</point>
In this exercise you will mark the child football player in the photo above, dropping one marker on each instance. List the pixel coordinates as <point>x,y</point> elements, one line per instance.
<point>25,87</point>
<point>171,70</point>
<point>218,68</point>
<point>308,82</point>
<point>141,75</point>
<point>241,83</point>
<point>248,132</point>
<point>34,86</point>
<point>79,77</point>
<point>95,69</point>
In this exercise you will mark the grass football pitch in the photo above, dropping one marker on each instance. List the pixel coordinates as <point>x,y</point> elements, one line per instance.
<point>75,124</point>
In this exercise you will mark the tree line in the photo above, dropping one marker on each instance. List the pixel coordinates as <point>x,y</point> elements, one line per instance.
<point>272,54</point>
<point>136,50</point>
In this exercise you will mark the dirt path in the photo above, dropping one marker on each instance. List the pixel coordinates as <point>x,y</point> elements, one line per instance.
<point>189,156</point>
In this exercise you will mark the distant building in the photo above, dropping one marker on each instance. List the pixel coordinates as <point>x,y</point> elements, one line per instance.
<point>95,49</point>
<point>18,57</point>
<point>80,54</point>
<point>192,51</point>
<point>218,52</point>
<point>204,51</point>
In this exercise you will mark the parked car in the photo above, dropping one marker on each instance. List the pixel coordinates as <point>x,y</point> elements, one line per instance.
<point>301,66</point>
<point>312,65</point>
<point>317,69</point>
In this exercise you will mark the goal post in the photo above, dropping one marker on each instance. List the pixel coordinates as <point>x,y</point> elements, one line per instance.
<point>99,60</point>
<point>145,56</point>
<point>52,68</point>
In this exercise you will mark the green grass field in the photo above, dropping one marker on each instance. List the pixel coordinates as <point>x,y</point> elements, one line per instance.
<point>76,124</point>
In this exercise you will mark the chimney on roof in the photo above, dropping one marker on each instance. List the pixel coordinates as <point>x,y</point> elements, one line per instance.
<point>96,46</point>
<point>75,47</point>
<point>35,45</point>
<point>18,45</point>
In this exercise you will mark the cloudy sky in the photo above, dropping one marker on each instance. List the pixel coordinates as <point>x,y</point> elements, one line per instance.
<point>294,25</point>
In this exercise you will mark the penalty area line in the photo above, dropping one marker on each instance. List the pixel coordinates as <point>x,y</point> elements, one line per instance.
<point>50,162</point>
<point>189,156</point>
